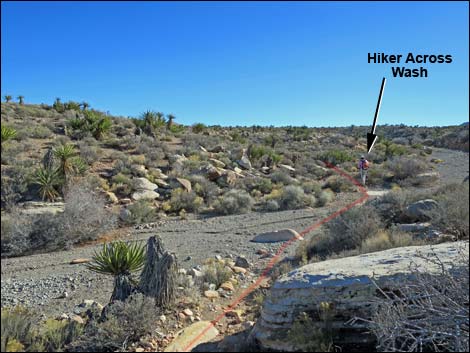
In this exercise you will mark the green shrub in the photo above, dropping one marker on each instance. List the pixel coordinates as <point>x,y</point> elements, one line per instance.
<point>234,202</point>
<point>336,156</point>
<point>198,128</point>
<point>16,329</point>
<point>216,273</point>
<point>346,232</point>
<point>405,167</point>
<point>126,322</point>
<point>183,200</point>
<point>339,184</point>
<point>308,336</point>
<point>293,197</point>
<point>325,197</point>
<point>141,212</point>
<point>452,214</point>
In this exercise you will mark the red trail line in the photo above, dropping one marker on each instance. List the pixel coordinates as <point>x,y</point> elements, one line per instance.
<point>275,258</point>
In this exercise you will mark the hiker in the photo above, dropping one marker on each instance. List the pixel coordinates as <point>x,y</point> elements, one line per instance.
<point>363,167</point>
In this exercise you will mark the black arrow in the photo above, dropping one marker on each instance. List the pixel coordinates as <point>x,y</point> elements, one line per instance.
<point>371,136</point>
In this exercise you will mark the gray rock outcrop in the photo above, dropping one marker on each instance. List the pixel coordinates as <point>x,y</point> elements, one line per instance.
<point>346,286</point>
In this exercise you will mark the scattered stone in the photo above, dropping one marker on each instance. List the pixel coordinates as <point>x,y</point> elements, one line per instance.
<point>287,168</point>
<point>188,312</point>
<point>77,319</point>
<point>195,273</point>
<point>241,261</point>
<point>111,197</point>
<point>277,236</point>
<point>244,161</point>
<point>79,261</point>
<point>162,318</point>
<point>211,294</point>
<point>239,269</point>
<point>227,286</point>
<point>217,163</point>
<point>185,183</point>
<point>203,331</point>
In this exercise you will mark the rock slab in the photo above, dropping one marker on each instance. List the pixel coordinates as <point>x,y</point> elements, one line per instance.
<point>195,334</point>
<point>345,285</point>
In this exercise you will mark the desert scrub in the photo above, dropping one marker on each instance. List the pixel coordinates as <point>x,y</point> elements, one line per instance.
<point>216,272</point>
<point>22,332</point>
<point>280,177</point>
<point>204,188</point>
<point>335,156</point>
<point>126,322</point>
<point>405,167</point>
<point>346,232</point>
<point>198,128</point>
<point>452,213</point>
<point>85,218</point>
<point>324,197</point>
<point>339,184</point>
<point>387,239</point>
<point>306,335</point>
<point>293,197</point>
<point>234,202</point>
<point>184,200</point>
<point>140,212</point>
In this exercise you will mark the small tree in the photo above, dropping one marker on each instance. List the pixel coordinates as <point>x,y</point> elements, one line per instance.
<point>85,105</point>
<point>7,98</point>
<point>120,260</point>
<point>21,99</point>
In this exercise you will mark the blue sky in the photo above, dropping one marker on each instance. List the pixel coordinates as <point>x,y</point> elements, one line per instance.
<point>239,63</point>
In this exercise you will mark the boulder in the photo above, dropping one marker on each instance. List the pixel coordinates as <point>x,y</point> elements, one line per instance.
<point>345,285</point>
<point>144,184</point>
<point>244,162</point>
<point>419,211</point>
<point>228,178</point>
<point>193,335</point>
<point>185,183</point>
<point>217,149</point>
<point>277,236</point>
<point>211,294</point>
<point>145,189</point>
<point>111,197</point>
<point>145,195</point>
<point>212,173</point>
<point>241,261</point>
<point>287,168</point>
<point>217,163</point>
<point>426,178</point>
<point>124,214</point>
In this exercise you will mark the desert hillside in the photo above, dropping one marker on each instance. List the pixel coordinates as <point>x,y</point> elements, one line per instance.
<point>239,214</point>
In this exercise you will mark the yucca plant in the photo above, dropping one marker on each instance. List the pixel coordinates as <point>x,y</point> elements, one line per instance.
<point>8,98</point>
<point>64,155</point>
<point>101,127</point>
<point>120,260</point>
<point>21,99</point>
<point>79,165</point>
<point>8,133</point>
<point>49,181</point>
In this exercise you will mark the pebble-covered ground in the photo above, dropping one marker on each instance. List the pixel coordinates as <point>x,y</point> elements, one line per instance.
<point>40,281</point>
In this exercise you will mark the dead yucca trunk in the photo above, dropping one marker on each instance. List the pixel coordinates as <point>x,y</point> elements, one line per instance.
<point>158,278</point>
<point>122,288</point>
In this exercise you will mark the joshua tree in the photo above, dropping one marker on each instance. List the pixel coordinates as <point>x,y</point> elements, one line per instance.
<point>85,105</point>
<point>171,117</point>
<point>158,278</point>
<point>120,260</point>
<point>7,98</point>
<point>21,99</point>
